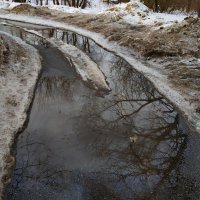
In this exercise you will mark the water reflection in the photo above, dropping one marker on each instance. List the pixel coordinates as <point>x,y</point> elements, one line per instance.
<point>139,135</point>
<point>80,146</point>
<point>128,145</point>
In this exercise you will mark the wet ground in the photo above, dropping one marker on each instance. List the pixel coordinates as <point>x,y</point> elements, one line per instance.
<point>131,144</point>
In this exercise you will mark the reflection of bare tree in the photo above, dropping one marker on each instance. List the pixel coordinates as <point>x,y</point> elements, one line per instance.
<point>69,38</point>
<point>146,152</point>
<point>50,86</point>
<point>178,186</point>
<point>152,142</point>
<point>23,167</point>
<point>135,131</point>
<point>36,168</point>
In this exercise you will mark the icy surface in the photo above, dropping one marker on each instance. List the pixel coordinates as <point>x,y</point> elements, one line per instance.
<point>17,83</point>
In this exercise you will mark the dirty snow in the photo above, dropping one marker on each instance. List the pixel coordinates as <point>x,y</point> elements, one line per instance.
<point>17,83</point>
<point>150,19</point>
<point>136,13</point>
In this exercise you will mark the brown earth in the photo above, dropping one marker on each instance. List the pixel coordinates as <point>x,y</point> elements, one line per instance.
<point>174,50</point>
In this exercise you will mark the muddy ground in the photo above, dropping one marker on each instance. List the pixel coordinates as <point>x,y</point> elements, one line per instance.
<point>174,50</point>
<point>19,69</point>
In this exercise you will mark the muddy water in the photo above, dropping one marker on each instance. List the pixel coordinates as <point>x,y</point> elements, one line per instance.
<point>131,144</point>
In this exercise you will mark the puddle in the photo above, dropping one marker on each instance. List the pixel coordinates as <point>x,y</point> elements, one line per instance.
<point>131,144</point>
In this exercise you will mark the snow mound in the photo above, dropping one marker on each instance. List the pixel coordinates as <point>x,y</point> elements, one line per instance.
<point>128,8</point>
<point>136,13</point>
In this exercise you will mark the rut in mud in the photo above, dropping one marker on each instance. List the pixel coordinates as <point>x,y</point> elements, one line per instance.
<point>131,144</point>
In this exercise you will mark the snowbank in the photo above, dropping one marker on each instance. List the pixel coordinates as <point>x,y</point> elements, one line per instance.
<point>19,73</point>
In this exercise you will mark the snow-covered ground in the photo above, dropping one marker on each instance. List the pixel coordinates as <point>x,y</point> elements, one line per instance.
<point>134,12</point>
<point>19,71</point>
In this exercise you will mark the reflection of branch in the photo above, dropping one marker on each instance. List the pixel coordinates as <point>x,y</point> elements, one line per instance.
<point>144,157</point>
<point>30,144</point>
<point>48,88</point>
<point>139,109</point>
<point>139,100</point>
<point>173,163</point>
